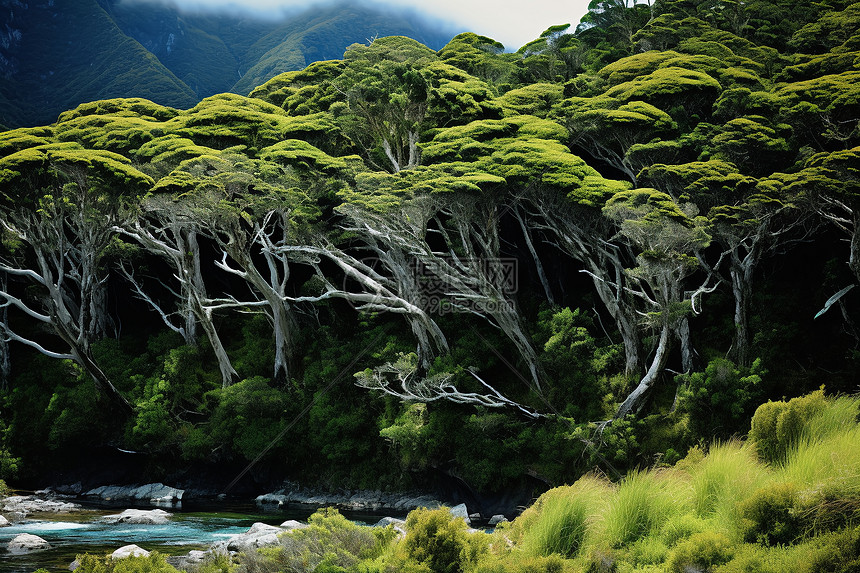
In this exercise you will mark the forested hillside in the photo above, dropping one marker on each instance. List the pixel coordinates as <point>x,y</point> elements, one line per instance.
<point>56,54</point>
<point>408,267</point>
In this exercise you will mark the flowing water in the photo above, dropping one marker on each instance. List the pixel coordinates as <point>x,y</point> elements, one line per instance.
<point>191,527</point>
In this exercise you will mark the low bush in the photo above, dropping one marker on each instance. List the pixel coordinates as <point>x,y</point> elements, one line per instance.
<point>330,543</point>
<point>837,553</point>
<point>153,563</point>
<point>436,540</point>
<point>770,516</point>
<point>517,563</point>
<point>702,551</point>
<point>777,427</point>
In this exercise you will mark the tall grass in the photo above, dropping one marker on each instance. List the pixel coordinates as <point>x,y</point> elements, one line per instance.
<point>643,502</point>
<point>828,454</point>
<point>832,463</point>
<point>840,414</point>
<point>727,475</point>
<point>704,512</point>
<point>561,518</point>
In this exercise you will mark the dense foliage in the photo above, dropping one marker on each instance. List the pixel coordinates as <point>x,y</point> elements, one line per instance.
<point>501,270</point>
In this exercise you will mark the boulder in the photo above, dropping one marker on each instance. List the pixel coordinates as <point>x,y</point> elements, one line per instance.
<point>147,516</point>
<point>73,489</point>
<point>496,519</point>
<point>273,500</point>
<point>293,524</point>
<point>25,505</point>
<point>4,522</point>
<point>156,493</point>
<point>127,551</point>
<point>399,525</point>
<point>192,560</point>
<point>259,535</point>
<point>26,543</point>
<point>373,500</point>
<point>461,511</point>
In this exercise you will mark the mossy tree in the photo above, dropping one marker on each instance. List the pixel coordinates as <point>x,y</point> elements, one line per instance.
<point>667,238</point>
<point>60,203</point>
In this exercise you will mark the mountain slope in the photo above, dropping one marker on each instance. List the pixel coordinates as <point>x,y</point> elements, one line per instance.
<point>56,54</point>
<point>206,51</point>
<point>64,52</point>
<point>324,34</point>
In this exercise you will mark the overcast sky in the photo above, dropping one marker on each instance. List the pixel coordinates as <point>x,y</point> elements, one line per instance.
<point>511,22</point>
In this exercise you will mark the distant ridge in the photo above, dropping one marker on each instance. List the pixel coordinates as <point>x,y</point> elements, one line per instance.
<point>56,54</point>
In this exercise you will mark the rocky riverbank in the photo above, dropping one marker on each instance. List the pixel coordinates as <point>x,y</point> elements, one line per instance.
<point>366,500</point>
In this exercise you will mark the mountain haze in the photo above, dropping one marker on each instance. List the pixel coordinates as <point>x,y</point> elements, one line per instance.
<point>56,54</point>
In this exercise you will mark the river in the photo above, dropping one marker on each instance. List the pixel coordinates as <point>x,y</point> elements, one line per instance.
<point>193,526</point>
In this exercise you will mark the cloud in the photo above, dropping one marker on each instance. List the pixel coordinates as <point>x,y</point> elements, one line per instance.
<point>512,22</point>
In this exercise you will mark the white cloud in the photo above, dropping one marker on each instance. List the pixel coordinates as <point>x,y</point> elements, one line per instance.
<point>512,22</point>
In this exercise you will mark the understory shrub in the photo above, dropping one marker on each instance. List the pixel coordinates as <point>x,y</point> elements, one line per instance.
<point>770,515</point>
<point>702,551</point>
<point>439,541</point>
<point>153,563</point>
<point>719,401</point>
<point>777,427</point>
<point>330,543</point>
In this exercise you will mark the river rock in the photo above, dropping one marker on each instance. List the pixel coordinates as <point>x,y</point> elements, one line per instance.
<point>25,505</point>
<point>374,500</point>
<point>127,551</point>
<point>259,535</point>
<point>399,525</point>
<point>461,511</point>
<point>4,522</point>
<point>293,524</point>
<point>496,519</point>
<point>73,489</point>
<point>192,560</point>
<point>156,493</point>
<point>26,543</point>
<point>271,500</point>
<point>147,516</point>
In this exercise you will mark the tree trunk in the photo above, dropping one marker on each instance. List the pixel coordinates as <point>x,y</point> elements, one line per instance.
<point>282,326</point>
<point>624,317</point>
<point>189,251</point>
<point>685,340</point>
<point>5,361</point>
<point>854,255</point>
<point>540,271</point>
<point>741,275</point>
<point>229,376</point>
<point>634,402</point>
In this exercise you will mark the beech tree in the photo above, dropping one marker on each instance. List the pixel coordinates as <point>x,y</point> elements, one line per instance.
<point>170,226</point>
<point>60,204</point>
<point>750,220</point>
<point>667,239</point>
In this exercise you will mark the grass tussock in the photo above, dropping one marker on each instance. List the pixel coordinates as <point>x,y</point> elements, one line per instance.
<point>786,499</point>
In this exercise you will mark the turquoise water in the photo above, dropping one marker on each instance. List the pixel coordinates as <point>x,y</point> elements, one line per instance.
<point>83,532</point>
